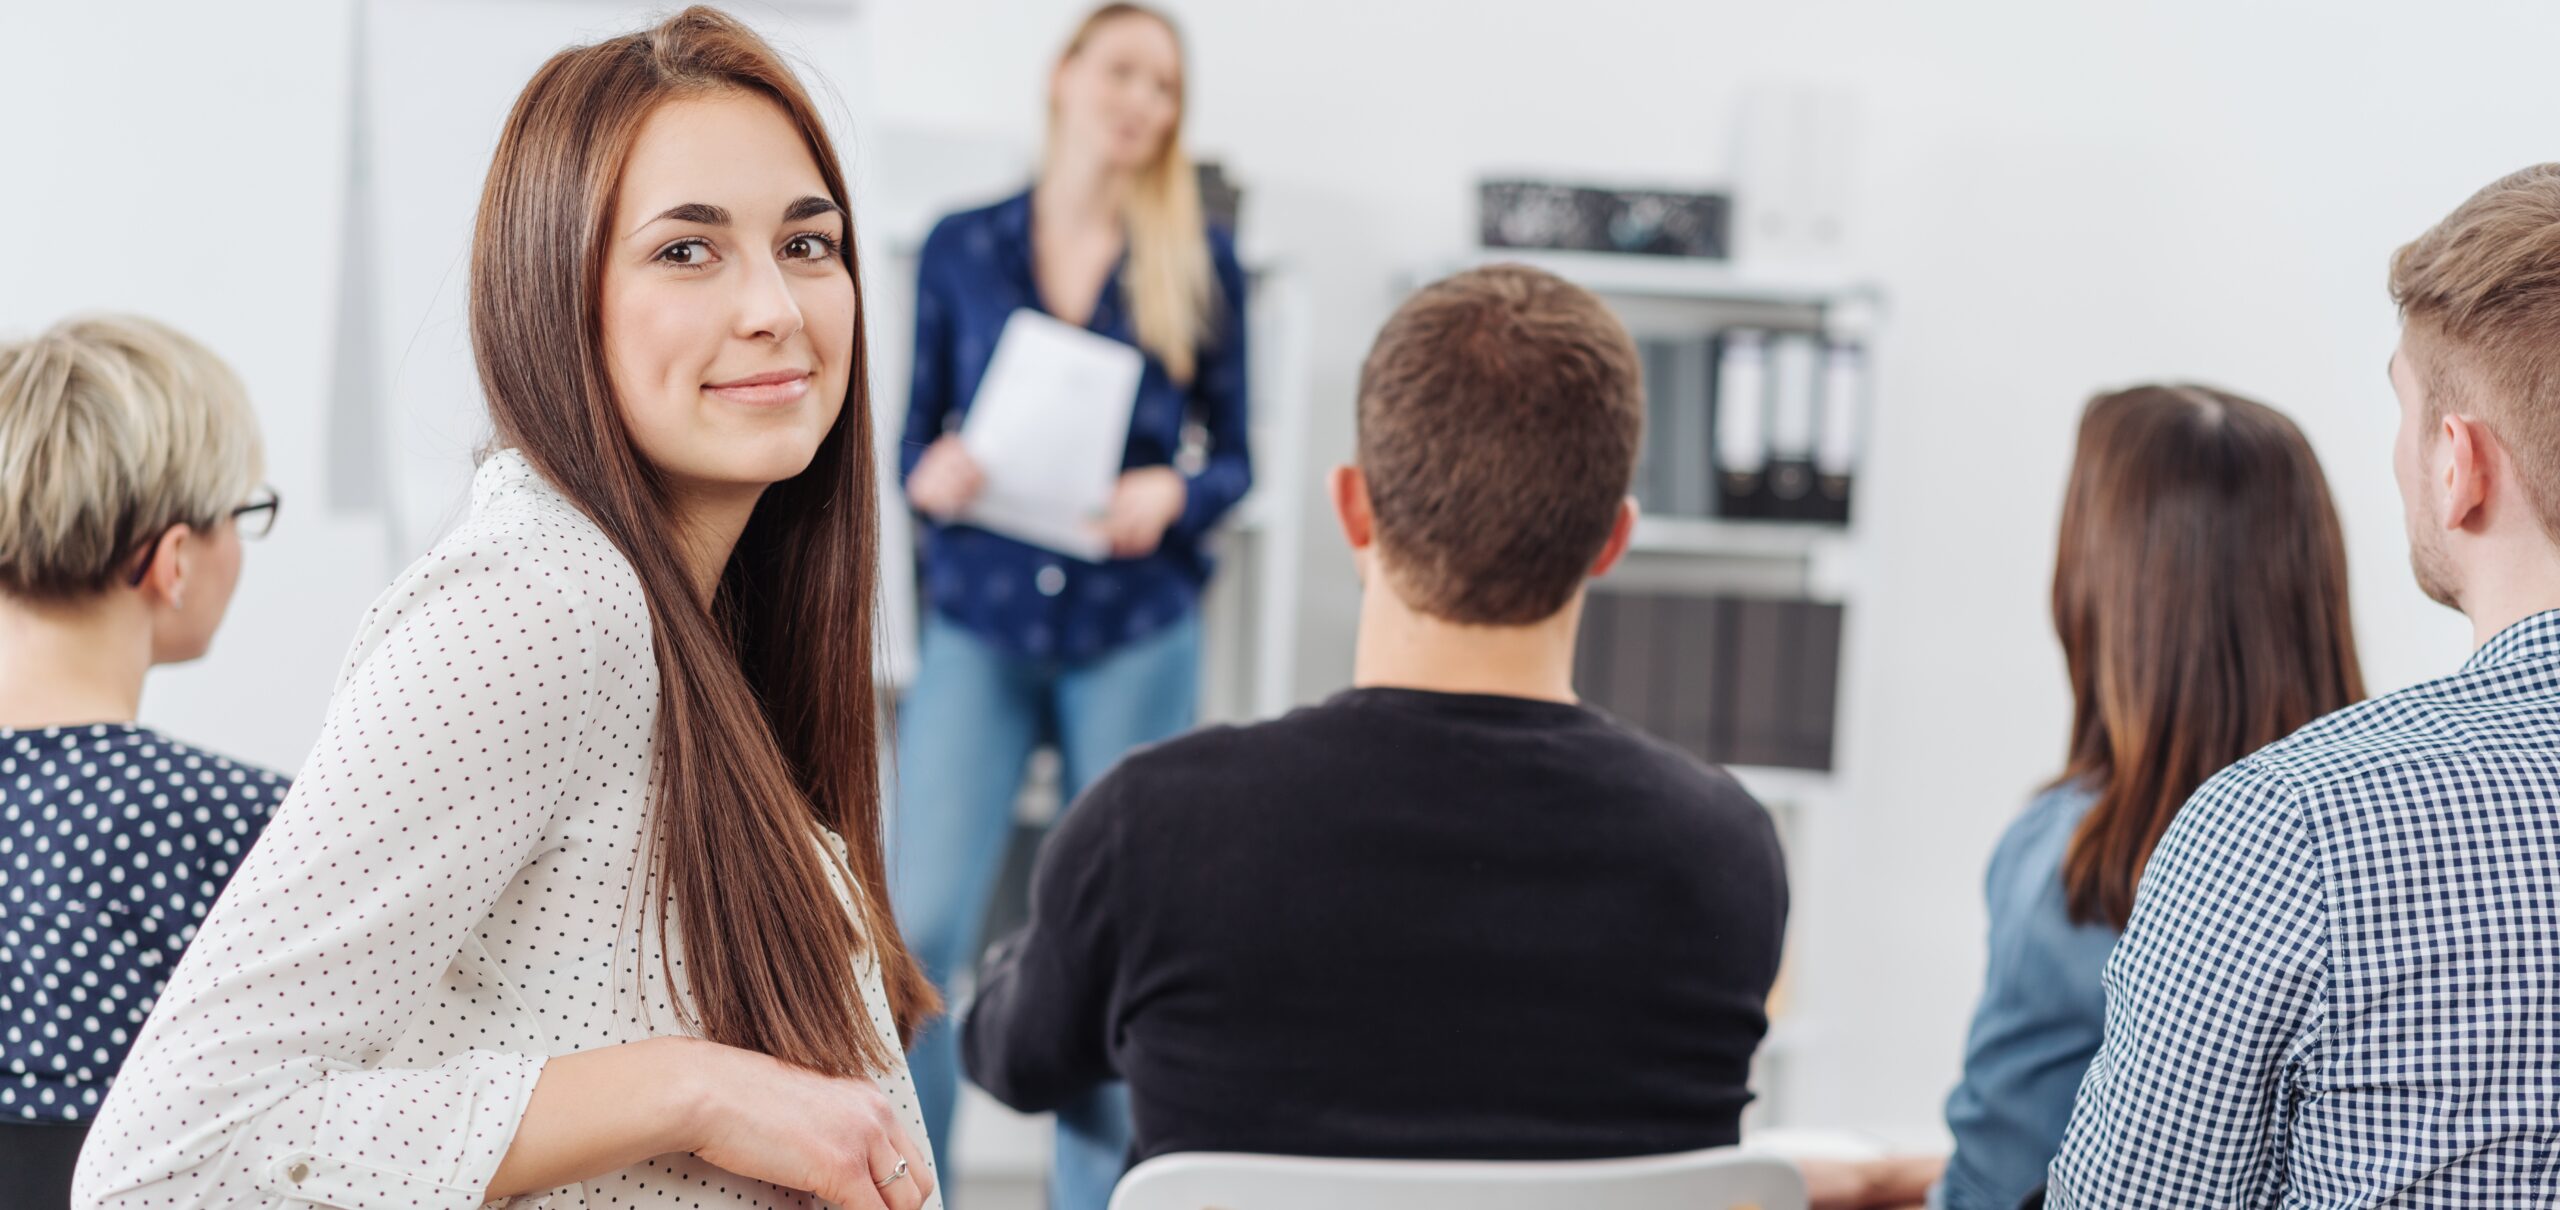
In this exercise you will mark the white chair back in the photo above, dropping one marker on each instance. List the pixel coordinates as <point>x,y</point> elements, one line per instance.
<point>1721,1179</point>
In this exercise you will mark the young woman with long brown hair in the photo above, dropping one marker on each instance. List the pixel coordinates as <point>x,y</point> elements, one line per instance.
<point>2200,593</point>
<point>581,889</point>
<point>1024,645</point>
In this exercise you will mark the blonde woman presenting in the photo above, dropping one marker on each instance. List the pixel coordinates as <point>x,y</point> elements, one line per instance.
<point>1023,645</point>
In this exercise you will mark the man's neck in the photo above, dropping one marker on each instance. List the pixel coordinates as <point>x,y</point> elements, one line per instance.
<point>64,666</point>
<point>2510,587</point>
<point>1401,648</point>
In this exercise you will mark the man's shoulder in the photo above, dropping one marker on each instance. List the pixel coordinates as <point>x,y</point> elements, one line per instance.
<point>2355,778</point>
<point>1677,778</point>
<point>1307,728</point>
<point>1181,784</point>
<point>2366,738</point>
<point>2377,746</point>
<point>1230,752</point>
<point>1303,752</point>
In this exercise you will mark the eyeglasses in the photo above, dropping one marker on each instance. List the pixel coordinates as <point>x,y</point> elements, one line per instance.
<point>256,519</point>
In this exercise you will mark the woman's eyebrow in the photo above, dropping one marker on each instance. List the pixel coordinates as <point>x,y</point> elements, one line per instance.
<point>703,213</point>
<point>708,215</point>
<point>810,207</point>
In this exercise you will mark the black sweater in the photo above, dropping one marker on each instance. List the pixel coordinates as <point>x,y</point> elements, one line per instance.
<point>1399,924</point>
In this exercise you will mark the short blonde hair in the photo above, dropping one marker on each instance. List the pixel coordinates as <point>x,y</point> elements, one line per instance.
<point>2479,298</point>
<point>113,428</point>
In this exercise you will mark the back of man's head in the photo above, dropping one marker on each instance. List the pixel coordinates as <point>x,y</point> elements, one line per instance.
<point>1500,411</point>
<point>2479,298</point>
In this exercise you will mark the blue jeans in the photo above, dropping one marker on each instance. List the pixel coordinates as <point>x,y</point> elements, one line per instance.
<point>965,733</point>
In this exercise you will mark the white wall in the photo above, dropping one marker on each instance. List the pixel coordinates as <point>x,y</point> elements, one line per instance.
<point>2058,198</point>
<point>181,161</point>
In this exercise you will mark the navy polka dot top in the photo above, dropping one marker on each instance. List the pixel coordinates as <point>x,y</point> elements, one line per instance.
<point>114,840</point>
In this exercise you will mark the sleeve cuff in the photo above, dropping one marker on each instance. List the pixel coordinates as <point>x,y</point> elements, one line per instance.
<point>1203,505</point>
<point>398,1137</point>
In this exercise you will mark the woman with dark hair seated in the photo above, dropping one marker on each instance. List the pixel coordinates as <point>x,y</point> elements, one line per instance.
<point>2200,593</point>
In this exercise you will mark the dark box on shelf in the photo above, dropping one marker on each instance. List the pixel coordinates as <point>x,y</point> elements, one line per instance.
<point>1786,489</point>
<point>1734,680</point>
<point>1584,218</point>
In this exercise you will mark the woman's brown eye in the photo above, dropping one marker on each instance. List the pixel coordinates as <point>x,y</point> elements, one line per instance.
<point>809,247</point>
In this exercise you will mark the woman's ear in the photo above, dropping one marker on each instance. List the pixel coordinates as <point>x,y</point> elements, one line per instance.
<point>166,579</point>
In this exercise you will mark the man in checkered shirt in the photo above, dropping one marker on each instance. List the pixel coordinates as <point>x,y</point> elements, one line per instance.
<point>2341,983</point>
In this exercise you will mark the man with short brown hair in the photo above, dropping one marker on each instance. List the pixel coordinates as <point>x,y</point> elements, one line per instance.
<point>2341,983</point>
<point>1450,913</point>
<point>1500,412</point>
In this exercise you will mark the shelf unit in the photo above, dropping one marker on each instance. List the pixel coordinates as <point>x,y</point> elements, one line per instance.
<point>1671,297</point>
<point>1617,275</point>
<point>1743,558</point>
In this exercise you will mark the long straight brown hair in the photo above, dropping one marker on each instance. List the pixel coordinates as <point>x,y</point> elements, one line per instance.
<point>2200,593</point>
<point>766,725</point>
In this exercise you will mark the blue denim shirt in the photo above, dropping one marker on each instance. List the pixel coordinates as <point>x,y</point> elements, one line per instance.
<point>2041,1017</point>
<point>975,272</point>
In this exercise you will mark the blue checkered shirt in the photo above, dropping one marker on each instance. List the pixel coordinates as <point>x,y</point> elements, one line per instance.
<point>2341,984</point>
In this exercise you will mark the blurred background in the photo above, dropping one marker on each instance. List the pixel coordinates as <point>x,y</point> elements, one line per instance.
<point>1922,235</point>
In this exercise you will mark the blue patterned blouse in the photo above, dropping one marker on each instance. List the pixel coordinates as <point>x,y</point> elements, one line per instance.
<point>976,271</point>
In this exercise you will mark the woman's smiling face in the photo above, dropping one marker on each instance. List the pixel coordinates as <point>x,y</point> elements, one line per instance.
<point>728,306</point>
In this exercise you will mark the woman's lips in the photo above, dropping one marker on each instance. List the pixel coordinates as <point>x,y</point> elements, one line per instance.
<point>763,390</point>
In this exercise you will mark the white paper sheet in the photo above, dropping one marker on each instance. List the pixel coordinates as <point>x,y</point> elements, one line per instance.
<point>1048,427</point>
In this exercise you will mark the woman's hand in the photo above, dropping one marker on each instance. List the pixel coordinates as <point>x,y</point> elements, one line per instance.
<point>760,1117</point>
<point>602,1110</point>
<point>1889,1181</point>
<point>1146,503</point>
<point>946,480</point>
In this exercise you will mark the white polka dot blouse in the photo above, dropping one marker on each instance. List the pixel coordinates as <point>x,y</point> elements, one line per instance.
<point>114,839</point>
<point>449,895</point>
